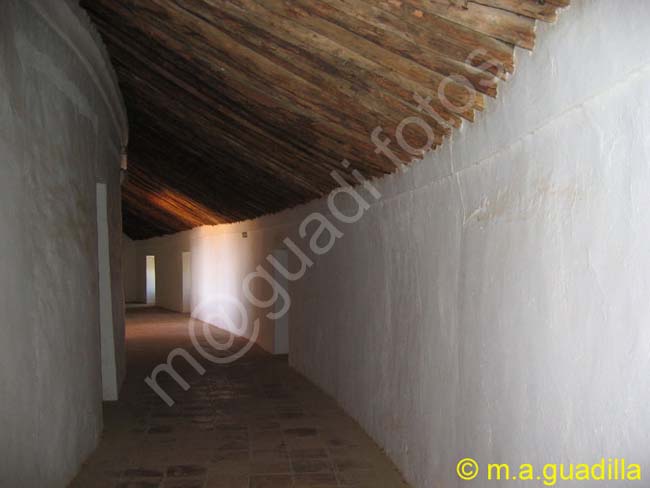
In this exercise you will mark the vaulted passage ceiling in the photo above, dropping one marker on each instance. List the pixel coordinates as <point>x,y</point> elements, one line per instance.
<point>240,108</point>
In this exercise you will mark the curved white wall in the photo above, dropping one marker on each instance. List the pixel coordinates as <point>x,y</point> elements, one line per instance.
<point>62,126</point>
<point>494,302</point>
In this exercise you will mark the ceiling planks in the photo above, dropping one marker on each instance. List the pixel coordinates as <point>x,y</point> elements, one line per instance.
<point>240,108</point>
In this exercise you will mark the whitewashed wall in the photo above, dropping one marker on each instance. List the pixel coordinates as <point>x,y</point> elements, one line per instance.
<point>494,303</point>
<point>220,260</point>
<point>129,263</point>
<point>61,128</point>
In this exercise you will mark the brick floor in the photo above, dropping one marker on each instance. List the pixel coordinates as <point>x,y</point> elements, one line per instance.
<point>252,424</point>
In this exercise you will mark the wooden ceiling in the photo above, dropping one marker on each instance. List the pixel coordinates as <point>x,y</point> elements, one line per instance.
<point>239,108</point>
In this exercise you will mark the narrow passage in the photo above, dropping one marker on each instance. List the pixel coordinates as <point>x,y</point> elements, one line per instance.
<point>252,424</point>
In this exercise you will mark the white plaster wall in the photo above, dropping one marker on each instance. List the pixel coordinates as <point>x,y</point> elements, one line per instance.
<point>150,279</point>
<point>60,133</point>
<point>494,303</point>
<point>187,282</point>
<point>220,260</point>
<point>129,263</point>
<point>169,270</point>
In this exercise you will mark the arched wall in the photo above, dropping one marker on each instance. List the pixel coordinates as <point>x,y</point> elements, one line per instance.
<point>62,127</point>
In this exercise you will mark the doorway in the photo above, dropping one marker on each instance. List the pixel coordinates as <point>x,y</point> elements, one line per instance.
<point>151,280</point>
<point>187,282</point>
<point>110,387</point>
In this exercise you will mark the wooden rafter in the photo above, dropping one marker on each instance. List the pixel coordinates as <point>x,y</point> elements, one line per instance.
<point>239,108</point>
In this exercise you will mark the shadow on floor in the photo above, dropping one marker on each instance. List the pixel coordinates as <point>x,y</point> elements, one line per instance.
<point>254,423</point>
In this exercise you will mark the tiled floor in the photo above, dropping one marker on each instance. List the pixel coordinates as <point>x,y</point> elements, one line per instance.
<point>251,424</point>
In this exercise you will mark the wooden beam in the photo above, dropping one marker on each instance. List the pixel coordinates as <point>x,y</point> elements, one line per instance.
<point>479,49</point>
<point>459,3</point>
<point>423,46</point>
<point>255,125</point>
<point>257,94</point>
<point>309,14</point>
<point>238,108</point>
<point>493,22</point>
<point>318,68</point>
<point>361,79</point>
<point>244,67</point>
<point>534,9</point>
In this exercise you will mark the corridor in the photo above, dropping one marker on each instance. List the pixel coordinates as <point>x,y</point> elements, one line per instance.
<point>428,216</point>
<point>251,424</point>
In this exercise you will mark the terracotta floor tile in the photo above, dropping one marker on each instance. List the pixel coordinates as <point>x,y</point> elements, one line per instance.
<point>255,423</point>
<point>315,480</point>
<point>271,481</point>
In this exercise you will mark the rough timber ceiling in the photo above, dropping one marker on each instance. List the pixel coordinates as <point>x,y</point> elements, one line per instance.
<point>240,108</point>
